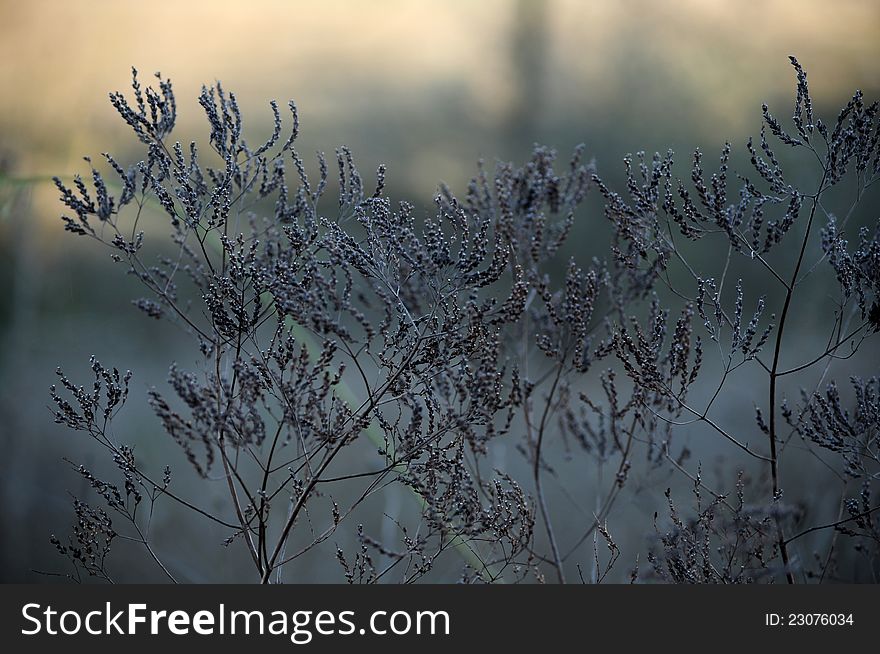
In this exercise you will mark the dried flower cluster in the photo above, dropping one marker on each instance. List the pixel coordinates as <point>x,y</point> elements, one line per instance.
<point>353,330</point>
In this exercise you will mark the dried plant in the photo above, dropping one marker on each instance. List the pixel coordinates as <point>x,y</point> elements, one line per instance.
<point>326,323</point>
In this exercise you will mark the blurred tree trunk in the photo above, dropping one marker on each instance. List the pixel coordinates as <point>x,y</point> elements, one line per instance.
<point>528,59</point>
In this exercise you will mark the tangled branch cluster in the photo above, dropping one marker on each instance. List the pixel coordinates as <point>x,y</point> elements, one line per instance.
<point>337,327</point>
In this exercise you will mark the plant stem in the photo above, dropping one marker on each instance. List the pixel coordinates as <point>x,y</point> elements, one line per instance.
<point>545,514</point>
<point>774,376</point>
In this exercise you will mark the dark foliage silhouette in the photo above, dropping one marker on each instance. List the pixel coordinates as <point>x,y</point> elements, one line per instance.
<point>323,323</point>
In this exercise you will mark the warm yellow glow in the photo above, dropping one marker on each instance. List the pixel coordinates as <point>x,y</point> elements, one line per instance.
<point>424,73</point>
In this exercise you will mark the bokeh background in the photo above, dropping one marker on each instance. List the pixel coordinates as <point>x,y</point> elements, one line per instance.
<point>426,87</point>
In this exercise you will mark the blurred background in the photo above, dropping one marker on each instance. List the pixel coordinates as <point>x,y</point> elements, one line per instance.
<point>426,87</point>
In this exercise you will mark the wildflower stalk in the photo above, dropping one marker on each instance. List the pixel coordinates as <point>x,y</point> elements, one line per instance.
<point>774,377</point>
